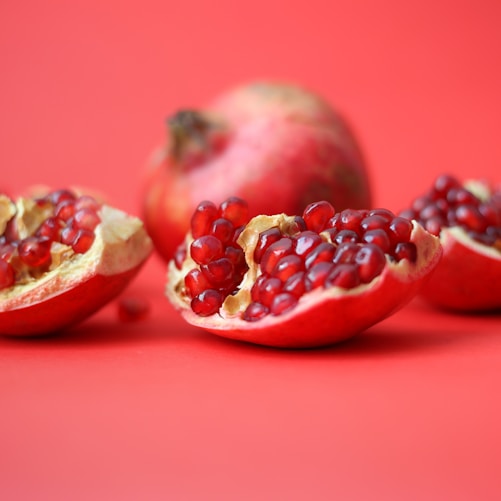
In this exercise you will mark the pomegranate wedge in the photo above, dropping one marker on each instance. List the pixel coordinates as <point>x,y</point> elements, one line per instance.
<point>62,257</point>
<point>297,281</point>
<point>467,217</point>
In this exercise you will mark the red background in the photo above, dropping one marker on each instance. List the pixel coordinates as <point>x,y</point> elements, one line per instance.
<point>160,410</point>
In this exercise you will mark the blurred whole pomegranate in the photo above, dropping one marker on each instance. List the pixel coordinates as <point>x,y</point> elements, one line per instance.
<point>277,145</point>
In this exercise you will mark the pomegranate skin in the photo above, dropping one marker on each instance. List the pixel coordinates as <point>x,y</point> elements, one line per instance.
<point>277,145</point>
<point>468,277</point>
<point>322,317</point>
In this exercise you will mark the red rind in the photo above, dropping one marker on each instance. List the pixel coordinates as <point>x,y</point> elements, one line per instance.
<point>468,277</point>
<point>64,309</point>
<point>326,316</point>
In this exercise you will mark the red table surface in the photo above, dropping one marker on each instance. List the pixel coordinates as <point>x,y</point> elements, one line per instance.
<point>157,409</point>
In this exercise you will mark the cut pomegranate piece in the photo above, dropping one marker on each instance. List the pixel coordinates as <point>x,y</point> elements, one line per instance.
<point>467,217</point>
<point>59,266</point>
<point>295,284</point>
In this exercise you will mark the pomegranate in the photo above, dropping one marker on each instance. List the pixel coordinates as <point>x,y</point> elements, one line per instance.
<point>62,257</point>
<point>297,281</point>
<point>467,218</point>
<point>276,145</point>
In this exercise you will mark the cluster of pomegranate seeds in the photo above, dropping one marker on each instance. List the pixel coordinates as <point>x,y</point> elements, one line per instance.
<point>321,248</point>
<point>221,262</point>
<point>330,249</point>
<point>72,220</point>
<point>448,203</point>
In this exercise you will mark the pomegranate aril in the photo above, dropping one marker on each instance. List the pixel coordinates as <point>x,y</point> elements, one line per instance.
<point>205,249</point>
<point>86,219</point>
<point>50,228</point>
<point>65,210</point>
<point>306,241</point>
<point>35,251</point>
<point>82,241</point>
<point>405,250</point>
<point>180,256</point>
<point>295,284</point>
<point>400,229</point>
<point>385,214</point>
<point>371,261</point>
<point>443,184</point>
<point>195,282</point>
<point>348,219</point>
<point>58,196</point>
<point>287,266</point>
<point>7,249</point>
<point>470,217</point>
<point>203,217</point>
<point>282,303</point>
<point>298,225</point>
<point>235,210</point>
<point>378,237</point>
<point>7,275</point>
<point>321,253</point>
<point>255,290</point>
<point>434,225</point>
<point>207,302</point>
<point>317,274</point>
<point>343,275</point>
<point>345,253</point>
<point>317,215</point>
<point>255,311</point>
<point>376,221</point>
<point>266,238</point>
<point>222,229</point>
<point>237,257</point>
<point>268,289</point>
<point>275,251</point>
<point>346,236</point>
<point>218,272</point>
<point>461,196</point>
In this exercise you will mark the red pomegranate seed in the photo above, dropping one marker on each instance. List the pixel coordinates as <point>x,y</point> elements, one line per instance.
<point>287,266</point>
<point>295,284</point>
<point>321,253</point>
<point>343,275</point>
<point>205,249</point>
<point>255,311</point>
<point>348,219</point>
<point>470,217</point>
<point>35,251</point>
<point>207,302</point>
<point>7,249</point>
<point>268,289</point>
<point>86,219</point>
<point>373,222</point>
<point>205,214</point>
<point>222,229</point>
<point>65,210</point>
<point>180,256</point>
<point>236,210</point>
<point>58,196</point>
<point>317,215</point>
<point>400,229</point>
<point>7,276</point>
<point>405,250</point>
<point>266,238</point>
<point>237,257</point>
<point>461,196</point>
<point>82,241</point>
<point>317,274</point>
<point>195,282</point>
<point>444,184</point>
<point>346,253</point>
<point>218,272</point>
<point>50,228</point>
<point>275,251</point>
<point>298,225</point>
<point>306,241</point>
<point>346,236</point>
<point>256,288</point>
<point>371,261</point>
<point>378,237</point>
<point>282,303</point>
<point>132,309</point>
<point>87,202</point>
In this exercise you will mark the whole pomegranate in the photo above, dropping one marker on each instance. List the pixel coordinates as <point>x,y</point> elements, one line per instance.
<point>63,255</point>
<point>467,218</point>
<point>297,281</point>
<point>276,145</point>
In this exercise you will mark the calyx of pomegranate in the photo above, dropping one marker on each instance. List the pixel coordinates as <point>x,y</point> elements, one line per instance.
<point>297,281</point>
<point>467,218</point>
<point>62,257</point>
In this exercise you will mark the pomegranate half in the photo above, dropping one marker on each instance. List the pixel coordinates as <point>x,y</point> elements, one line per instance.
<point>297,281</point>
<point>467,218</point>
<point>276,145</point>
<point>62,257</point>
